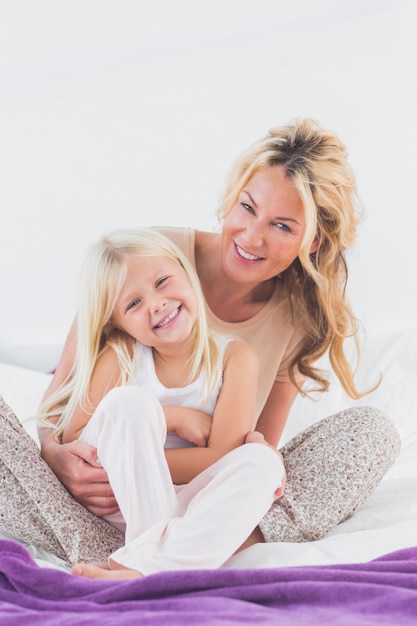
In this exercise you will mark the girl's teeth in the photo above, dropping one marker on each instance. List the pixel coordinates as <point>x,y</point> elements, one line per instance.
<point>168,319</point>
<point>246,255</point>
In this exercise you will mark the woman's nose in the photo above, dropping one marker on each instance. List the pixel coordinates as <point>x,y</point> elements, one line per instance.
<point>254,234</point>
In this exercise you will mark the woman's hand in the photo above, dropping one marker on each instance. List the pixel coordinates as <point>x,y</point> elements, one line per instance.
<point>280,491</point>
<point>189,424</point>
<point>78,468</point>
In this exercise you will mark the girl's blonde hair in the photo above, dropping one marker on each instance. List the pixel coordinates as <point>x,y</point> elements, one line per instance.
<point>315,161</point>
<point>102,278</point>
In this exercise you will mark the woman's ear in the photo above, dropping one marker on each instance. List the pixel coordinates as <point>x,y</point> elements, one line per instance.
<point>316,244</point>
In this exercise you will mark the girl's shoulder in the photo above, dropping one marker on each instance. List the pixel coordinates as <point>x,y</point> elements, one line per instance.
<point>240,362</point>
<point>237,348</point>
<point>109,357</point>
<point>237,351</point>
<point>106,373</point>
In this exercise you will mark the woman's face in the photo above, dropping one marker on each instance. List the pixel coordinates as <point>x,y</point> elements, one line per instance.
<point>262,233</point>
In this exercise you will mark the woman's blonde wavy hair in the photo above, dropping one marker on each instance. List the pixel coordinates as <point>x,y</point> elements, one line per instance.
<point>102,278</point>
<point>315,161</point>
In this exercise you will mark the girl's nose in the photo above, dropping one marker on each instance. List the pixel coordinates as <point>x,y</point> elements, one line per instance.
<point>158,303</point>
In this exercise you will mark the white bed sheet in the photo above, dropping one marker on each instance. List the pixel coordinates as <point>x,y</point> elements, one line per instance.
<point>385,523</point>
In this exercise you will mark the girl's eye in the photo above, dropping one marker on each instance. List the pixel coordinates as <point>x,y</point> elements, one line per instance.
<point>132,304</point>
<point>161,281</point>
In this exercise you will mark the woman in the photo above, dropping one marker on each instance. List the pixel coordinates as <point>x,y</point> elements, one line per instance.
<point>275,276</point>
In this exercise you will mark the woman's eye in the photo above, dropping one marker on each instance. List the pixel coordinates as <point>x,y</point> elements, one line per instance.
<point>283,227</point>
<point>247,207</point>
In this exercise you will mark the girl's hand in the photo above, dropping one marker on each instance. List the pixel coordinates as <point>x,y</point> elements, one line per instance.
<point>190,424</point>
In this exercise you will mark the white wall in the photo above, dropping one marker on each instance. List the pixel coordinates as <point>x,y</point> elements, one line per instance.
<point>116,113</point>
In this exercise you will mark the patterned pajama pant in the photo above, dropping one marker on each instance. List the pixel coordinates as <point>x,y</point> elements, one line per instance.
<point>332,468</point>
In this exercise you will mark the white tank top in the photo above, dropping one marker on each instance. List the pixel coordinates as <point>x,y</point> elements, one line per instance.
<point>188,396</point>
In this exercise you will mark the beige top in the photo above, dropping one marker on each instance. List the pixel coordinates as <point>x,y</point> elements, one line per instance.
<point>270,332</point>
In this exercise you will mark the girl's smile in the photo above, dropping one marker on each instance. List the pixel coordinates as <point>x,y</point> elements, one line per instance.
<point>169,319</point>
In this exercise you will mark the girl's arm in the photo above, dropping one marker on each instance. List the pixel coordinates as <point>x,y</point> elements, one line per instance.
<point>190,424</point>
<point>233,416</point>
<point>106,376</point>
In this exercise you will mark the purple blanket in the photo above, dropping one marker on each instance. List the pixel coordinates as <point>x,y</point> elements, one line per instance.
<point>380,592</point>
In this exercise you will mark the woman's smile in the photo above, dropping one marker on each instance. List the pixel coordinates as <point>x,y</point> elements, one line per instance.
<point>246,255</point>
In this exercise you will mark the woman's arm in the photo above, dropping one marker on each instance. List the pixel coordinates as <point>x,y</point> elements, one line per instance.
<point>274,415</point>
<point>78,468</point>
<point>232,419</point>
<point>76,463</point>
<point>65,363</point>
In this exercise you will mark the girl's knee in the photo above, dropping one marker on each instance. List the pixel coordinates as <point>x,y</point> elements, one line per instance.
<point>262,462</point>
<point>126,394</point>
<point>128,403</point>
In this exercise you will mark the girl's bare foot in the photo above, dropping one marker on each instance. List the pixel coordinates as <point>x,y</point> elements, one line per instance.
<point>103,572</point>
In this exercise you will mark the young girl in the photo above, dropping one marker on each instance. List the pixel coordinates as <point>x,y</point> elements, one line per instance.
<point>146,365</point>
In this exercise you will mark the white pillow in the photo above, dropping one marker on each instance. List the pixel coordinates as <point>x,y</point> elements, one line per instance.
<point>394,356</point>
<point>23,389</point>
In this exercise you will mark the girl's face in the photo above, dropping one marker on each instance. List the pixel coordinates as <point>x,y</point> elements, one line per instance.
<point>263,231</point>
<point>156,305</point>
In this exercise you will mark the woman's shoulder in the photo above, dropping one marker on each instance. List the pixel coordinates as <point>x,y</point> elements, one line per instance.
<point>177,234</point>
<point>183,237</point>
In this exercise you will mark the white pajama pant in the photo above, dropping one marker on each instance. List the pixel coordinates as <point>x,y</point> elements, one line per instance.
<point>194,526</point>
